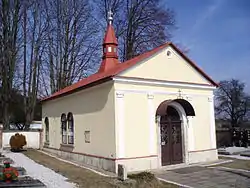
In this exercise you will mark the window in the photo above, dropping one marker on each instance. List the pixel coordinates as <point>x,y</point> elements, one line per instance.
<point>46,122</point>
<point>70,128</point>
<point>64,128</point>
<point>114,49</point>
<point>169,54</point>
<point>87,136</point>
<point>104,50</point>
<point>109,49</point>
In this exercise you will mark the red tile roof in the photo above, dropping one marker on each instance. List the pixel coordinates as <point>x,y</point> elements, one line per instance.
<point>101,77</point>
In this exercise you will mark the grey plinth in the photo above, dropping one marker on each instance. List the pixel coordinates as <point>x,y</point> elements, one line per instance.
<point>122,172</point>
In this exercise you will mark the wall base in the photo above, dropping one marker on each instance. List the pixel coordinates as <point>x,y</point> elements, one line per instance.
<point>203,156</point>
<point>99,163</point>
<point>139,164</point>
<point>131,164</point>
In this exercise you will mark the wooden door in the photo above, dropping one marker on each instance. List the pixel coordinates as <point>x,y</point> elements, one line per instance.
<point>176,140</point>
<point>171,138</point>
<point>165,142</point>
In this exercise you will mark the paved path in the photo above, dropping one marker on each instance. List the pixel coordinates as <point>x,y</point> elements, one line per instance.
<point>203,177</point>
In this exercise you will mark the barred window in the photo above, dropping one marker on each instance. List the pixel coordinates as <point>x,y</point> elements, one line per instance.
<point>70,128</point>
<point>64,128</point>
<point>46,122</point>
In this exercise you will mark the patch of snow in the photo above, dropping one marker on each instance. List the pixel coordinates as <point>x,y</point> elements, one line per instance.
<point>50,178</point>
<point>232,150</point>
<point>175,183</point>
<point>236,157</point>
<point>36,126</point>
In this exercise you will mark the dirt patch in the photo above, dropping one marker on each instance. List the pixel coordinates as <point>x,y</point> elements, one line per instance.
<point>87,178</point>
<point>236,164</point>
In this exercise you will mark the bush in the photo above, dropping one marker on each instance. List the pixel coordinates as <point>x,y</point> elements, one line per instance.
<point>142,176</point>
<point>145,179</point>
<point>17,142</point>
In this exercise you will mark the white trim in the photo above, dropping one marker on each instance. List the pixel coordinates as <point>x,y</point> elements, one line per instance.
<point>161,83</point>
<point>120,124</point>
<point>212,123</point>
<point>184,130</point>
<point>152,129</point>
<point>159,92</point>
<point>190,134</point>
<point>159,141</point>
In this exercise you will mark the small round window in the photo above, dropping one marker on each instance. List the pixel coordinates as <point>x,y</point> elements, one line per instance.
<point>168,53</point>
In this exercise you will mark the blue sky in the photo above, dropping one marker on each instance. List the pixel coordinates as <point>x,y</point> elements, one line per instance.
<point>217,33</point>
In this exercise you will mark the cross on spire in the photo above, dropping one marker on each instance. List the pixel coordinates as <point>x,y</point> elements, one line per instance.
<point>110,17</point>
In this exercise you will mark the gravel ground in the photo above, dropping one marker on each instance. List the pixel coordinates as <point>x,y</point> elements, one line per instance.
<point>50,178</point>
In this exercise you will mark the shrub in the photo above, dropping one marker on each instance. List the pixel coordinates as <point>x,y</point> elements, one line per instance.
<point>142,176</point>
<point>17,142</point>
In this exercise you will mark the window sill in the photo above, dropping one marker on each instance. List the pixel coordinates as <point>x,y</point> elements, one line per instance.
<point>67,147</point>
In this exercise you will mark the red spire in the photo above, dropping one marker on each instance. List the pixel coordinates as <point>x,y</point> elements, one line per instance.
<point>110,36</point>
<point>110,57</point>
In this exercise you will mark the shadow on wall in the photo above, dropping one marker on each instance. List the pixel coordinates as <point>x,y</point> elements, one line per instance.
<point>83,102</point>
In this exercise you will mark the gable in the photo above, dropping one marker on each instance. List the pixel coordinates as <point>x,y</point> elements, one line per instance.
<point>160,66</point>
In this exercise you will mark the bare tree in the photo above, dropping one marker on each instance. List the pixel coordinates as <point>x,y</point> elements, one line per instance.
<point>9,22</point>
<point>34,32</point>
<point>233,104</point>
<point>140,24</point>
<point>71,43</point>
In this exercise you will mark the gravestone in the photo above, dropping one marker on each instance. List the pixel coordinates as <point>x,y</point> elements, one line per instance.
<point>122,172</point>
<point>4,159</point>
<point>24,182</point>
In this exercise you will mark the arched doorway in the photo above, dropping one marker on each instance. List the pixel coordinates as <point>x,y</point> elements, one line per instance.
<point>172,121</point>
<point>171,137</point>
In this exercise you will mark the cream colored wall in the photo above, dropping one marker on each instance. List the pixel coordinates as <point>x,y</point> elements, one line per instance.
<point>162,67</point>
<point>136,110</point>
<point>93,111</point>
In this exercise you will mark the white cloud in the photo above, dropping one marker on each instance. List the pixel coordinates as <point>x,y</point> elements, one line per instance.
<point>206,14</point>
<point>201,20</point>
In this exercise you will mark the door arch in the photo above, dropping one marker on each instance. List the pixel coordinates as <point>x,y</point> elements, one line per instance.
<point>171,137</point>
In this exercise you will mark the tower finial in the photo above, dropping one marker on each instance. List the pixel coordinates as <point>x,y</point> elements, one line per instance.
<point>110,17</point>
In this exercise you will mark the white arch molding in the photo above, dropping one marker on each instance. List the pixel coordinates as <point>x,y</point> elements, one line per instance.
<point>186,130</point>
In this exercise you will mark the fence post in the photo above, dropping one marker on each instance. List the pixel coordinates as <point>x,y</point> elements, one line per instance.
<point>1,136</point>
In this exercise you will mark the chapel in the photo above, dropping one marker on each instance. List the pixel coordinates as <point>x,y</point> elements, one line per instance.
<point>151,111</point>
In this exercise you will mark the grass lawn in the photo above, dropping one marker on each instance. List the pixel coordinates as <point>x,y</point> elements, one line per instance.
<point>237,163</point>
<point>87,178</point>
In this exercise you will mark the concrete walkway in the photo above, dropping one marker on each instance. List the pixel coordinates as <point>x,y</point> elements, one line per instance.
<point>205,177</point>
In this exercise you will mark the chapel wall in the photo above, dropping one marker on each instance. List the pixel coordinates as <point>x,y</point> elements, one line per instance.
<point>93,111</point>
<point>160,66</point>
<point>141,129</point>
